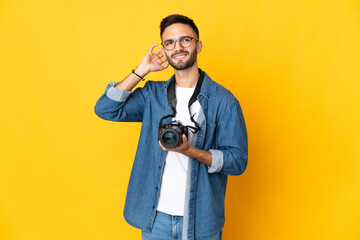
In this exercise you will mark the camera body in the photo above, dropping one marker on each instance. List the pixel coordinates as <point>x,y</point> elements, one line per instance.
<point>170,134</point>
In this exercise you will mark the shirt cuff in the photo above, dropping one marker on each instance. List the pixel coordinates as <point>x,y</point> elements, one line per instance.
<point>217,161</point>
<point>116,94</point>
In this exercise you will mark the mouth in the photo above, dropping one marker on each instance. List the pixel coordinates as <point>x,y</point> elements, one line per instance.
<point>180,56</point>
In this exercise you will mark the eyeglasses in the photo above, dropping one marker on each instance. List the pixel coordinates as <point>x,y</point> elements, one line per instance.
<point>184,42</point>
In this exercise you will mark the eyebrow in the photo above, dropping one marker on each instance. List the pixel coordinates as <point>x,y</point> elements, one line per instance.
<point>173,38</point>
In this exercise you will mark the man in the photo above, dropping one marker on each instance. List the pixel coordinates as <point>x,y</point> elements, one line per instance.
<point>178,193</point>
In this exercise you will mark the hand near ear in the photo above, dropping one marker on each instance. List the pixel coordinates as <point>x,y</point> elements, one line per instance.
<point>153,61</point>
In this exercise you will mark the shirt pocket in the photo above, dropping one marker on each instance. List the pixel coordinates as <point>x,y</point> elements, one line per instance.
<point>210,135</point>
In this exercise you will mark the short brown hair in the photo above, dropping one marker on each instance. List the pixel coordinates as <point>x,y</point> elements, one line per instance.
<point>176,18</point>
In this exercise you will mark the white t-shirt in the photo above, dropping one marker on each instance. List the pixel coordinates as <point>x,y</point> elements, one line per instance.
<point>173,183</point>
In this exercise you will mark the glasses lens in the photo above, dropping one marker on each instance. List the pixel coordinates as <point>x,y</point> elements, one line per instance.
<point>185,41</point>
<point>169,44</point>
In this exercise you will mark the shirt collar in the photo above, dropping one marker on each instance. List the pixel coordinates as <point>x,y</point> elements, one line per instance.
<point>205,87</point>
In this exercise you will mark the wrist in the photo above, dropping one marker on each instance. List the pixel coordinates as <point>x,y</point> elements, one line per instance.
<point>188,151</point>
<point>141,71</point>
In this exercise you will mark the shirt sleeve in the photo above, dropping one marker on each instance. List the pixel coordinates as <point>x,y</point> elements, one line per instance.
<point>217,161</point>
<point>116,94</point>
<point>231,141</point>
<point>120,105</point>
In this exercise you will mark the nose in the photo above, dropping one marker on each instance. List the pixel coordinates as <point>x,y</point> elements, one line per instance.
<point>177,46</point>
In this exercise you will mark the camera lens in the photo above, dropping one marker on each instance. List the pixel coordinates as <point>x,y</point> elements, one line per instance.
<point>170,138</point>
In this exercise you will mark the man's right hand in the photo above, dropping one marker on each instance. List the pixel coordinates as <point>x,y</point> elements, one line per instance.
<point>152,62</point>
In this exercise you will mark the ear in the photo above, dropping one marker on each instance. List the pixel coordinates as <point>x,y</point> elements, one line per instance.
<point>199,46</point>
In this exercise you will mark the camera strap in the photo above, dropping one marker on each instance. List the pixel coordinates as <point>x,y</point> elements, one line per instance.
<point>171,96</point>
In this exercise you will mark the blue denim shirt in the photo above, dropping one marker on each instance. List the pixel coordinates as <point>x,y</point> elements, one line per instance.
<point>222,132</point>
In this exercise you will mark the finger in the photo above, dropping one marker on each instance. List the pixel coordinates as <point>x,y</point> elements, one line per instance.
<point>163,148</point>
<point>184,138</point>
<point>158,61</point>
<point>152,47</point>
<point>161,55</point>
<point>165,65</point>
<point>163,51</point>
<point>162,60</point>
<point>157,51</point>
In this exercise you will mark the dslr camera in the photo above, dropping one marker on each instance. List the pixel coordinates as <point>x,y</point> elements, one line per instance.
<point>170,134</point>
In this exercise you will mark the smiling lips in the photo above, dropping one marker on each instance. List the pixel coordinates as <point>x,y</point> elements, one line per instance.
<point>180,56</point>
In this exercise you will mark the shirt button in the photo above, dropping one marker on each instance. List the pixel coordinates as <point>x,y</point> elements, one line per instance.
<point>153,206</point>
<point>159,167</point>
<point>157,188</point>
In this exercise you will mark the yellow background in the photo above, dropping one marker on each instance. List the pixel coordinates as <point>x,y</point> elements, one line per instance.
<point>293,65</point>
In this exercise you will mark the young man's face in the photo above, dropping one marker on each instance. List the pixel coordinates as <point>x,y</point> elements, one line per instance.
<point>180,57</point>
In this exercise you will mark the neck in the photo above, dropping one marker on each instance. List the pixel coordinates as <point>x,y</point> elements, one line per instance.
<point>187,78</point>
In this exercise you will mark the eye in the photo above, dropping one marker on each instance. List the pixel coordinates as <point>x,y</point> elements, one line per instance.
<point>186,40</point>
<point>168,42</point>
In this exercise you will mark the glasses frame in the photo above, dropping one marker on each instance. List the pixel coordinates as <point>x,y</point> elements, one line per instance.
<point>178,40</point>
